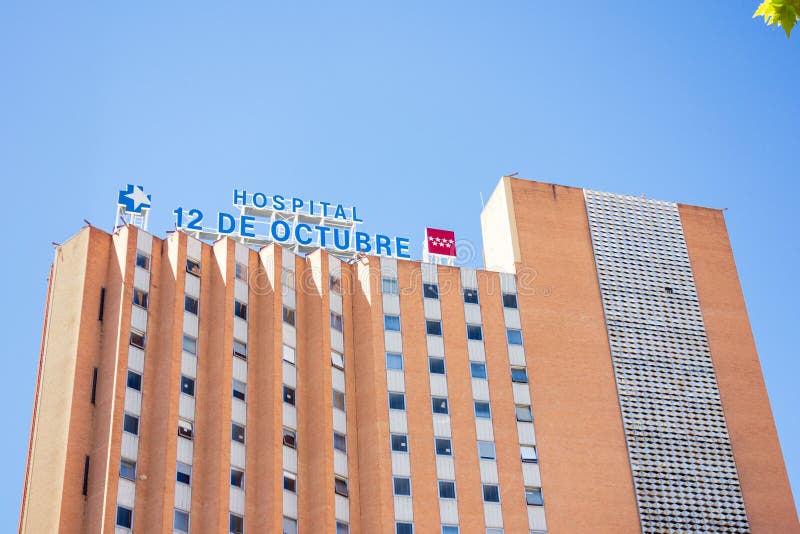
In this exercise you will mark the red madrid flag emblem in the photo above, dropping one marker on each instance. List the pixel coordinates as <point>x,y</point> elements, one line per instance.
<point>442,242</point>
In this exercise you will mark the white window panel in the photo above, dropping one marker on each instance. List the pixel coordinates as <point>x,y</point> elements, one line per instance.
<point>144,241</point>
<point>469,278</point>
<point>435,345</point>
<point>337,379</point>
<point>190,323</point>
<point>489,472</point>
<point>439,385</point>
<point>186,407</point>
<point>194,248</point>
<point>287,259</point>
<point>126,492</point>
<point>340,463</point>
<point>240,329</point>
<point>480,389</point>
<point>441,425</point>
<point>192,286</point>
<point>445,468</point>
<point>522,393</point>
<point>395,380</point>
<point>138,318</point>
<point>136,359</point>
<point>483,430</point>
<point>430,274</point>
<point>530,475</point>
<point>339,421</point>
<point>185,451</point>
<point>508,283</point>
<point>120,530</point>
<point>391,304</point>
<point>183,496</point>
<point>289,459</point>
<point>240,370</point>
<point>401,465</point>
<point>239,412</point>
<point>516,355</point>
<point>389,267</point>
<point>512,318</point>
<point>290,504</point>
<point>448,511</point>
<point>236,500</point>
<point>536,519</point>
<point>240,290</point>
<point>188,365</point>
<point>493,514</point>
<point>525,433</point>
<point>476,351</point>
<point>342,508</point>
<point>398,423</point>
<point>472,313</point>
<point>403,508</point>
<point>432,309</point>
<point>237,454</point>
<point>290,298</point>
<point>133,401</point>
<point>334,266</point>
<point>393,342</point>
<point>141,279</point>
<point>289,374</point>
<point>337,340</point>
<point>336,302</point>
<point>130,446</point>
<point>289,416</point>
<point>242,253</point>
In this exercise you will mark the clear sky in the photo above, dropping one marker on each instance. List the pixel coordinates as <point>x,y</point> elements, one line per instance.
<point>407,109</point>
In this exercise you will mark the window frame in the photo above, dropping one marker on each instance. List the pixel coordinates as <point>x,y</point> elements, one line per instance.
<point>191,304</point>
<point>289,394</point>
<point>527,416</point>
<point>435,400</point>
<point>239,475</point>
<point>394,356</point>
<point>394,288</point>
<point>505,302</point>
<point>392,436</point>
<point>129,512</point>
<point>147,260</point>
<point>519,379</point>
<point>341,486</point>
<point>191,382</point>
<point>341,438</point>
<point>388,322</point>
<point>430,291</point>
<point>130,471</point>
<point>495,487</point>
<point>395,479</point>
<point>482,365</point>
<point>474,330</point>
<point>289,315</point>
<point>130,417</point>
<point>337,321</point>
<point>142,296</point>
<point>449,484</point>
<point>517,333</point>
<point>471,290</point>
<point>482,455</point>
<point>193,266</point>
<point>395,394</point>
<point>488,405</point>
<point>439,359</point>
<point>446,450</point>
<point>242,391</point>
<point>178,472</point>
<point>137,380</point>
<point>437,331</point>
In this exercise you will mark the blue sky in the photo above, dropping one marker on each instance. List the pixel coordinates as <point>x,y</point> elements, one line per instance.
<point>408,110</point>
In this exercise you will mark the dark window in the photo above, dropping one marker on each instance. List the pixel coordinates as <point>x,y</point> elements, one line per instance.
<point>240,309</point>
<point>236,524</point>
<point>403,528</point>
<point>433,328</point>
<point>394,361</point>
<point>397,401</point>
<point>335,284</point>
<point>85,475</point>
<point>439,405</point>
<point>391,323</point>
<point>444,447</point>
<point>185,429</point>
<point>668,290</point>
<point>191,304</point>
<point>127,469</point>
<point>471,296</point>
<point>474,332</point>
<point>290,482</point>
<point>399,443</point>
<point>134,380</point>
<point>336,321</point>
<point>288,315</point>
<point>240,349</point>
<point>141,298</point>
<point>477,369</point>
<point>533,497</point>
<point>237,433</point>
<point>430,291</point>
<point>402,486</point>
<point>180,521</point>
<point>339,441</point>
<point>130,424</point>
<point>187,385</point>
<point>290,438</point>
<point>193,267</point>
<point>237,478</point>
<point>239,390</point>
<point>137,339</point>
<point>483,410</point>
<point>124,517</point>
<point>241,271</point>
<point>340,486</point>
<point>184,473</point>
<point>342,528</point>
<point>519,374</point>
<point>288,395</point>
<point>436,366</point>
<point>102,304</point>
<point>338,400</point>
<point>94,384</point>
<point>509,300</point>
<point>491,493</point>
<point>142,260</point>
<point>524,413</point>
<point>450,529</point>
<point>447,489</point>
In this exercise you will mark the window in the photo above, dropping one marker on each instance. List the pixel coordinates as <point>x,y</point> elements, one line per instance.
<point>402,486</point>
<point>288,395</point>
<point>335,284</point>
<point>289,354</point>
<point>288,315</point>
<point>509,300</point>
<point>240,309</point>
<point>482,410</point>
<point>192,266</point>
<point>439,405</point>
<point>433,328</point>
<point>436,366</point>
<point>191,304</point>
<point>519,374</point>
<point>486,450</point>
<point>342,528</point>
<point>236,524</point>
<point>496,531</point>
<point>397,401</point>
<point>124,517</point>
<point>187,386</point>
<point>239,390</point>
<point>399,443</point>
<point>340,486</point>
<point>337,359</point>
<point>339,441</point>
<point>394,361</point>
<point>142,260</point>
<point>533,497</point>
<point>289,525</point>
<point>391,323</point>
<point>444,447</point>
<point>477,369</point>
<point>185,429</point>
<point>338,400</point>
<point>237,432</point>
<point>524,413</point>
<point>189,344</point>
<point>449,529</point>
<point>134,380</point>
<point>137,339</point>
<point>514,336</point>
<point>127,469</point>
<point>336,321</point>
<point>290,482</point>
<point>241,271</point>
<point>430,291</point>
<point>130,424</point>
<point>402,527</point>
<point>240,349</point>
<point>474,332</point>
<point>184,473</point>
<point>237,478</point>
<point>389,286</point>
<point>528,453</point>
<point>470,296</point>
<point>180,521</point>
<point>447,489</point>
<point>290,438</point>
<point>141,298</point>
<point>491,493</point>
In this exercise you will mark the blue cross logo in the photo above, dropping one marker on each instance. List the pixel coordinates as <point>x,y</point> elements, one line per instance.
<point>134,199</point>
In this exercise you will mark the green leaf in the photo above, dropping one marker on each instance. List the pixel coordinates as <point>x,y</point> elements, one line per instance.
<point>783,13</point>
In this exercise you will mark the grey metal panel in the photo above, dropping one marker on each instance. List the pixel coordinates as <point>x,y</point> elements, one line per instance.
<point>683,467</point>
